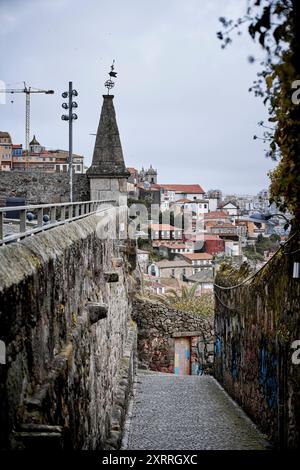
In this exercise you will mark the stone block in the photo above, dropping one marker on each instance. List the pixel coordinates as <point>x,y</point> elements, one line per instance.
<point>97,311</point>
<point>114,184</point>
<point>111,277</point>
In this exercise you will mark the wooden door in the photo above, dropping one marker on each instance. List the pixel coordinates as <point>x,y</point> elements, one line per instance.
<point>182,356</point>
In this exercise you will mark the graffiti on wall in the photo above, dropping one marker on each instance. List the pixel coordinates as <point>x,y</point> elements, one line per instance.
<point>268,373</point>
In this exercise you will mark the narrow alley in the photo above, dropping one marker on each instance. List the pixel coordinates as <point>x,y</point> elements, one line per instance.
<point>172,412</point>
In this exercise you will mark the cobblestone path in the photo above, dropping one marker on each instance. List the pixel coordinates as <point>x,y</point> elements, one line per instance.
<point>187,413</point>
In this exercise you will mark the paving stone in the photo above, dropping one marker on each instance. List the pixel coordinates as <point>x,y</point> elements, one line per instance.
<point>172,412</point>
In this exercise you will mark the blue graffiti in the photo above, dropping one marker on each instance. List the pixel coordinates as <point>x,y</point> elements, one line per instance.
<point>217,346</point>
<point>234,361</point>
<point>268,374</point>
<point>195,368</point>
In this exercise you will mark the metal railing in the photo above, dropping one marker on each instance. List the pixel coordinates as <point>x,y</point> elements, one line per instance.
<point>37,218</point>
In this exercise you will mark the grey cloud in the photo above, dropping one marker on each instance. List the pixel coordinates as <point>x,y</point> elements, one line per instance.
<point>182,103</point>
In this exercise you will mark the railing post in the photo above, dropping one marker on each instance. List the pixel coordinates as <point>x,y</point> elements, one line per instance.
<point>63,213</point>
<point>70,212</point>
<point>53,215</point>
<point>82,209</point>
<point>77,210</point>
<point>1,226</point>
<point>23,220</point>
<point>40,217</point>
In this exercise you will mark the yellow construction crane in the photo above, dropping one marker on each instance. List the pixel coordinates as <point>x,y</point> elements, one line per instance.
<point>28,91</point>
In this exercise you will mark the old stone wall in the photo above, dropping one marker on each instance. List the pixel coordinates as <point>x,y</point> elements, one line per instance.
<point>39,189</point>
<point>255,326</point>
<point>159,325</point>
<point>65,321</point>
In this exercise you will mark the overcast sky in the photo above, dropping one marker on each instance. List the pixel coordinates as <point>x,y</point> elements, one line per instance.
<point>182,102</point>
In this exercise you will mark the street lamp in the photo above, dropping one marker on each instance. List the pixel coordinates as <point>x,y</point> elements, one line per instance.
<point>70,117</point>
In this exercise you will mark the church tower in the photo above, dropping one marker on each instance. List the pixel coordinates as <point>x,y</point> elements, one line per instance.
<point>108,174</point>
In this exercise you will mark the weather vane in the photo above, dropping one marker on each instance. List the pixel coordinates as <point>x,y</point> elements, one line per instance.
<point>109,84</point>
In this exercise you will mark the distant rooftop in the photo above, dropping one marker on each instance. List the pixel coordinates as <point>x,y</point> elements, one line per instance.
<point>181,188</point>
<point>197,256</point>
<point>172,264</point>
<point>163,227</point>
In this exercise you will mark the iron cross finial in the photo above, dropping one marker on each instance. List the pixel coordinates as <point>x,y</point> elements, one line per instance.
<point>109,84</point>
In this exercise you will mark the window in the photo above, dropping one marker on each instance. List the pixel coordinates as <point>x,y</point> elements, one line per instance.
<point>153,271</point>
<point>78,167</point>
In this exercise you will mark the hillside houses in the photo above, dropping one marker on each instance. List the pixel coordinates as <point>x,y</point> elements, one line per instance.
<point>215,228</point>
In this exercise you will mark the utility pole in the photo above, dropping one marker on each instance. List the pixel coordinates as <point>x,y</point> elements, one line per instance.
<point>70,117</point>
<point>70,142</point>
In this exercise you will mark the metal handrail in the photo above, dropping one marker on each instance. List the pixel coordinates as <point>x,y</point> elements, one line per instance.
<point>69,211</point>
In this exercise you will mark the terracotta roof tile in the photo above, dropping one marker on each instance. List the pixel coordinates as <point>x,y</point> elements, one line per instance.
<point>181,188</point>
<point>197,256</point>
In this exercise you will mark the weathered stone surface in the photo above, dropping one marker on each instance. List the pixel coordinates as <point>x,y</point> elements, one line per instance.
<point>111,276</point>
<point>108,155</point>
<point>39,189</point>
<point>255,327</point>
<point>61,370</point>
<point>117,262</point>
<point>158,326</point>
<point>97,311</point>
<point>123,390</point>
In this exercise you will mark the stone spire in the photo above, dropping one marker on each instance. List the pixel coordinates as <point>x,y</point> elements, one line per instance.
<point>108,161</point>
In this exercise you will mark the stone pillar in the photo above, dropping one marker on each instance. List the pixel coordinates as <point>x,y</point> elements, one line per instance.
<point>108,174</point>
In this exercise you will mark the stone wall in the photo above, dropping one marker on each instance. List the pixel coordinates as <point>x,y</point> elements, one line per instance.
<point>65,322</point>
<point>255,326</point>
<point>159,325</point>
<point>39,189</point>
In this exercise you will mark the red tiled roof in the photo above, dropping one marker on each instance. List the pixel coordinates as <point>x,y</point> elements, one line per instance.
<point>181,188</point>
<point>132,170</point>
<point>195,256</point>
<point>216,215</point>
<point>211,237</point>
<point>184,199</point>
<point>163,227</point>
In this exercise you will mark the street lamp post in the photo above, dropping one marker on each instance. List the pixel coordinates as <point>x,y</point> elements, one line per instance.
<point>70,117</point>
